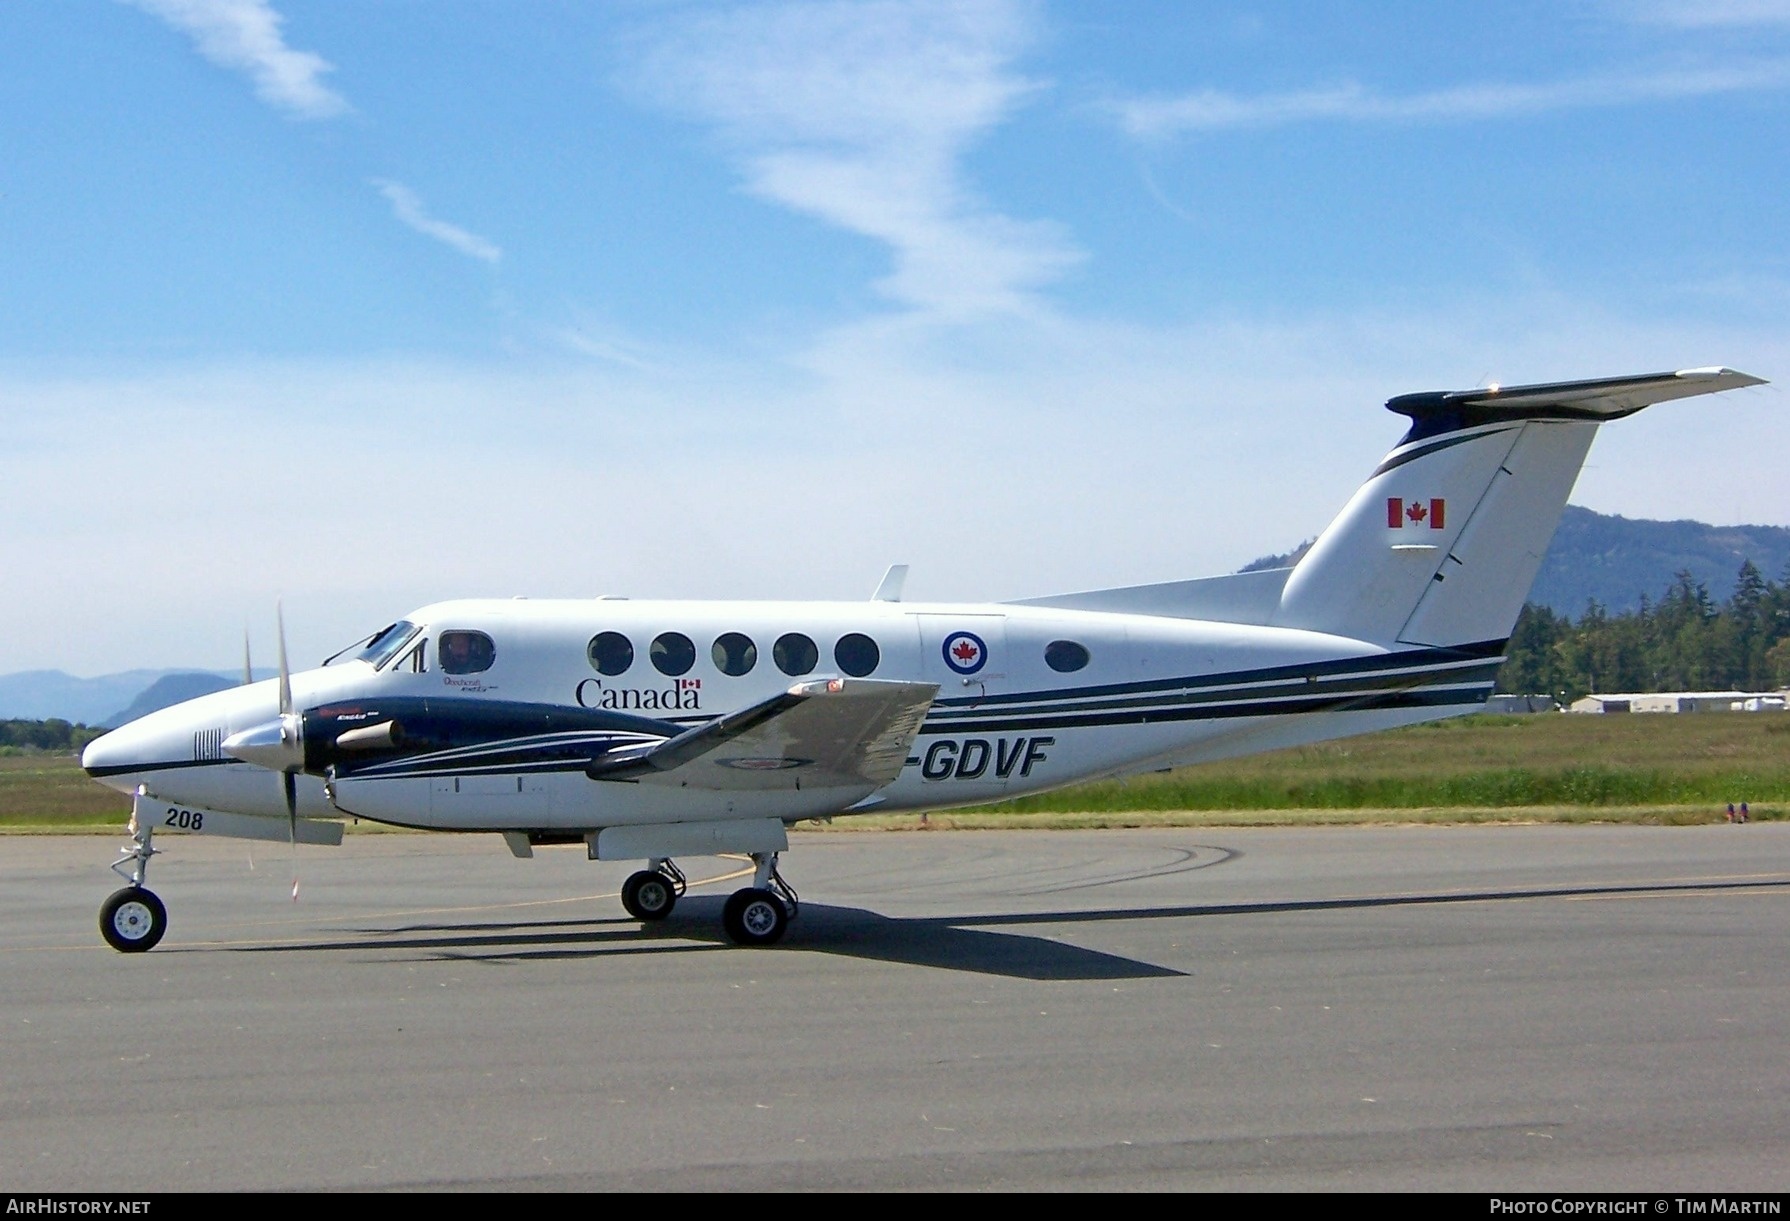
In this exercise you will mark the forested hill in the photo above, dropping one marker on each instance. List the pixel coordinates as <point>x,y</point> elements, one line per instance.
<point>1616,562</point>
<point>1623,605</point>
<point>1683,640</point>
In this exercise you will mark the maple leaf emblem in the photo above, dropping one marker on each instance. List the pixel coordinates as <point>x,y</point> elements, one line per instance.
<point>964,651</point>
<point>1415,512</point>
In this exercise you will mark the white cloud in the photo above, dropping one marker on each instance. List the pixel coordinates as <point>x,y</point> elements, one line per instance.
<point>244,35</point>
<point>859,114</point>
<point>409,209</point>
<point>1007,458</point>
<point>1211,110</point>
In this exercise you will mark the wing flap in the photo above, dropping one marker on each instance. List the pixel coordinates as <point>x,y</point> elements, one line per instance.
<point>831,733</point>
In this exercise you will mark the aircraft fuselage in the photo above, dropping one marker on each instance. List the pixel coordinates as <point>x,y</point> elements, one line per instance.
<point>1028,699</point>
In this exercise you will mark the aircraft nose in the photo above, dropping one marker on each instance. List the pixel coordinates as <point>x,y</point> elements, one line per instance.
<point>113,753</point>
<point>121,758</point>
<point>164,747</point>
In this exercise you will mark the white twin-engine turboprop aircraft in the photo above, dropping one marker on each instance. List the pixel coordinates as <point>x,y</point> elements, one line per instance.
<point>652,730</point>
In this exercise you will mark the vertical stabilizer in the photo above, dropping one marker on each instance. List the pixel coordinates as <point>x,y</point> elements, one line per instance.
<point>1484,578</point>
<point>1442,543</point>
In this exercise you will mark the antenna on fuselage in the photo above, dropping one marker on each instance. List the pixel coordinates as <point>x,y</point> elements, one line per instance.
<point>893,580</point>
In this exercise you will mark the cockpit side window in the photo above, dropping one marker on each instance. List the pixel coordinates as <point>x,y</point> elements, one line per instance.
<point>462,652</point>
<point>416,661</point>
<point>387,644</point>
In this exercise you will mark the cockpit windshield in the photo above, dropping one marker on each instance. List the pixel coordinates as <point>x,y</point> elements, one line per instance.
<point>385,645</point>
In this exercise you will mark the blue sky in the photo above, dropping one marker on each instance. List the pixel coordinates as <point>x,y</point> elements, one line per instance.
<point>367,305</point>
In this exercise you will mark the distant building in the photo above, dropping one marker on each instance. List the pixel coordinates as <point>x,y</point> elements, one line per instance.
<point>1684,701</point>
<point>1509,704</point>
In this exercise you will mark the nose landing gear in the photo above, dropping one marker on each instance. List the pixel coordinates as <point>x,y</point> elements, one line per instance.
<point>133,919</point>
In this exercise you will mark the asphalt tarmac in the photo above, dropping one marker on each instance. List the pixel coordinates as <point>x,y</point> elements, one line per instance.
<point>1474,1008</point>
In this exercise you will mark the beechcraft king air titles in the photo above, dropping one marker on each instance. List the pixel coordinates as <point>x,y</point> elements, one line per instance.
<point>652,730</point>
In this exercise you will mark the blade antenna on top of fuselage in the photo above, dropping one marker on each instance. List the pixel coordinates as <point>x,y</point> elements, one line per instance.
<point>890,588</point>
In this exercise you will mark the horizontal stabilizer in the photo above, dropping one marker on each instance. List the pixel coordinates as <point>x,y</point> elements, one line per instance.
<point>830,733</point>
<point>1608,398</point>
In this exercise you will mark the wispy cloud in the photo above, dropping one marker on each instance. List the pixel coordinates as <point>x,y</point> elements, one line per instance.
<point>409,209</point>
<point>244,35</point>
<point>1212,110</point>
<point>859,114</point>
<point>590,340</point>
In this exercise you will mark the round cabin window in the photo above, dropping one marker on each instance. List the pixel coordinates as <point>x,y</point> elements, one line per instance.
<point>672,653</point>
<point>795,654</point>
<point>611,653</point>
<point>1065,656</point>
<point>734,653</point>
<point>857,654</point>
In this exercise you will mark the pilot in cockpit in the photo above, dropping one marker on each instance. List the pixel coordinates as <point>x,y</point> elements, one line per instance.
<point>465,652</point>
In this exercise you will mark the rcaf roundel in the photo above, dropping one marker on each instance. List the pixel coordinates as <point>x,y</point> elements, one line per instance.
<point>1416,513</point>
<point>964,652</point>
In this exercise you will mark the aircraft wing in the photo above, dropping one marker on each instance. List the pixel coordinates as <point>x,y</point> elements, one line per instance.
<point>831,733</point>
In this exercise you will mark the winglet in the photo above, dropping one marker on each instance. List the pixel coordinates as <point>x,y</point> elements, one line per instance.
<point>893,580</point>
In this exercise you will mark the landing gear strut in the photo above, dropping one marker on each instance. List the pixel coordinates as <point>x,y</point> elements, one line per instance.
<point>654,891</point>
<point>133,919</point>
<point>760,914</point>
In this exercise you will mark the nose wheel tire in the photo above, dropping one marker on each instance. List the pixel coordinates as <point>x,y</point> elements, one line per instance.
<point>755,917</point>
<point>132,920</point>
<point>649,895</point>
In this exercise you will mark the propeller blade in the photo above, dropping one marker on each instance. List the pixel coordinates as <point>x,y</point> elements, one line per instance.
<point>290,780</point>
<point>285,670</point>
<point>291,730</point>
<point>248,670</point>
<point>278,744</point>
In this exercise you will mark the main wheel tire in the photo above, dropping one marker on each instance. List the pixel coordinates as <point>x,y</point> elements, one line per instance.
<point>755,917</point>
<point>649,895</point>
<point>132,920</point>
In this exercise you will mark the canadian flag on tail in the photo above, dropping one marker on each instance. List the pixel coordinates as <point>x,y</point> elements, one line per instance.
<point>1400,512</point>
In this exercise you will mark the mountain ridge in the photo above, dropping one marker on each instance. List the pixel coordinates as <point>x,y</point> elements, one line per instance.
<point>1617,561</point>
<point>40,695</point>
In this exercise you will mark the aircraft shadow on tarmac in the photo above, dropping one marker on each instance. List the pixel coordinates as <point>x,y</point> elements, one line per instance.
<point>695,927</point>
<point>960,943</point>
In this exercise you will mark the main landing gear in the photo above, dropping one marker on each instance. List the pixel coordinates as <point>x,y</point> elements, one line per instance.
<point>758,915</point>
<point>133,919</point>
<point>654,891</point>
